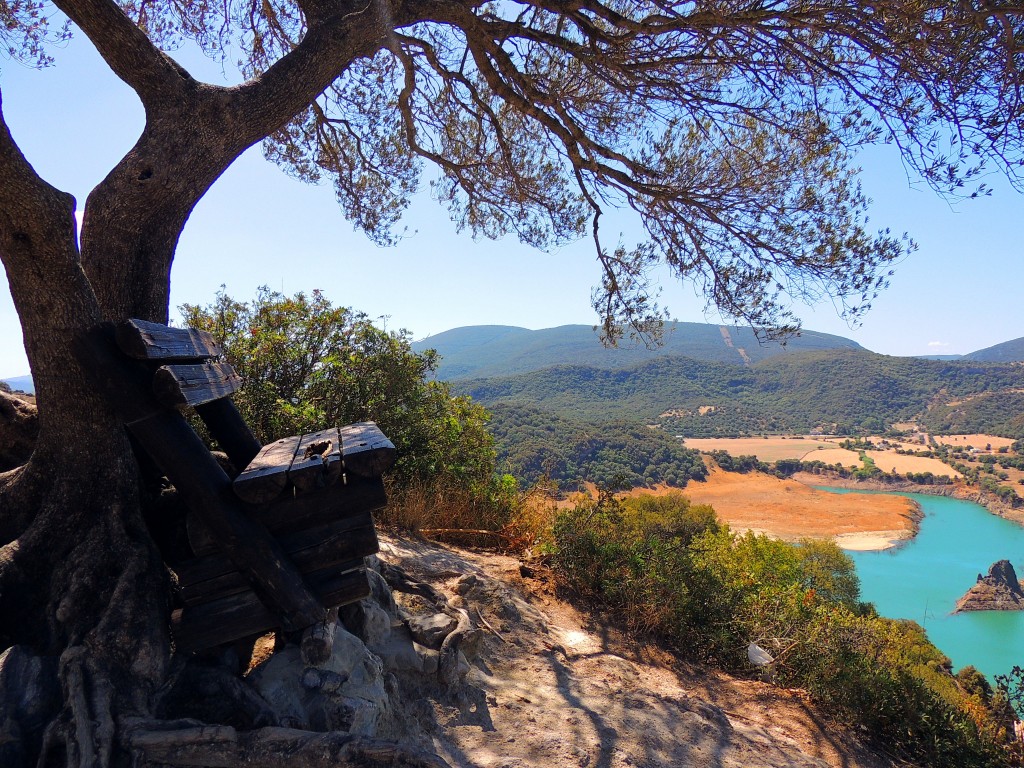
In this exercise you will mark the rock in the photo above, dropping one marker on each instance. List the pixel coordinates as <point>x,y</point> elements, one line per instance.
<point>345,693</point>
<point>1000,590</point>
<point>432,630</point>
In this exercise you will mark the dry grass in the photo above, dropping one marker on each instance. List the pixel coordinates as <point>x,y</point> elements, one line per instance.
<point>765,448</point>
<point>974,441</point>
<point>419,507</point>
<point>791,510</point>
<point>890,461</point>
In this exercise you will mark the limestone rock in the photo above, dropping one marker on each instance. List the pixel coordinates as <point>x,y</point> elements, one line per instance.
<point>346,693</point>
<point>1000,590</point>
<point>432,630</point>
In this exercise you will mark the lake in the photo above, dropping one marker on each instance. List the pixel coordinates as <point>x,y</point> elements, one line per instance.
<point>923,579</point>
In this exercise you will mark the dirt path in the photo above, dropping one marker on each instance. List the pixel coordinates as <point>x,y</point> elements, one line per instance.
<point>553,688</point>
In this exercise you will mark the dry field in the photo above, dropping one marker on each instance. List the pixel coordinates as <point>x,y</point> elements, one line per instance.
<point>808,449</point>
<point>890,461</point>
<point>765,448</point>
<point>791,510</point>
<point>975,441</point>
<point>842,456</point>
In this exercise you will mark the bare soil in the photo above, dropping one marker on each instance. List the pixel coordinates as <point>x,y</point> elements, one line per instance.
<point>553,686</point>
<point>792,510</point>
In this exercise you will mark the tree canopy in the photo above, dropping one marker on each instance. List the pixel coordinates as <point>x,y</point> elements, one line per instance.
<point>730,128</point>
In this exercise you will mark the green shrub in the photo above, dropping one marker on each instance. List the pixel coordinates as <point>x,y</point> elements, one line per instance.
<point>306,364</point>
<point>671,570</point>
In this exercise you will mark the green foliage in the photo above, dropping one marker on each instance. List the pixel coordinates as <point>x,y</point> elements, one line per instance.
<point>306,364</point>
<point>534,444</point>
<point>664,567</point>
<point>483,351</point>
<point>837,391</point>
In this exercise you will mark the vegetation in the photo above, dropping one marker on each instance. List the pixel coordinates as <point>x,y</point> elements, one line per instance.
<point>834,392</point>
<point>533,445</point>
<point>728,129</point>
<point>485,351</point>
<point>669,569</point>
<point>305,363</point>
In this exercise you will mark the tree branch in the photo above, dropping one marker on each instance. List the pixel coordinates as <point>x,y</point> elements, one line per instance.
<point>125,47</point>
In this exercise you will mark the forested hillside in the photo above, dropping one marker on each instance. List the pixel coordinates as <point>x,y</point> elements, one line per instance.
<point>839,391</point>
<point>535,444</point>
<point>1007,352</point>
<point>499,350</point>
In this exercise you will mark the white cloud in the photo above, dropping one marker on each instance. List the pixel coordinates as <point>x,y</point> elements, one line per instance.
<point>938,343</point>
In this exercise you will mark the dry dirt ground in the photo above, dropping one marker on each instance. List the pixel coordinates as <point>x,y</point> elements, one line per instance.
<point>791,510</point>
<point>553,687</point>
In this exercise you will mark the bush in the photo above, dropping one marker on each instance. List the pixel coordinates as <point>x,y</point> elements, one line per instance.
<point>306,364</point>
<point>664,567</point>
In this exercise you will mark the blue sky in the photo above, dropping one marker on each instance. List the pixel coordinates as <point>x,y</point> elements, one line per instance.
<point>961,291</point>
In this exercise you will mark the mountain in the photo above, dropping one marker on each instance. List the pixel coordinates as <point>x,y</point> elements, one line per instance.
<point>1007,352</point>
<point>21,383</point>
<point>842,391</point>
<point>482,351</point>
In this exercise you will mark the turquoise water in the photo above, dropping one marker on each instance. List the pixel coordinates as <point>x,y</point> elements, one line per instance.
<point>923,579</point>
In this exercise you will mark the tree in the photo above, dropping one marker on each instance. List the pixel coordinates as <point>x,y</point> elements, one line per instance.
<point>729,128</point>
<point>305,363</point>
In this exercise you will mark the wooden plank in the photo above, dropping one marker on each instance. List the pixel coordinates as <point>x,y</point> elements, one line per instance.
<point>365,450</point>
<point>348,504</point>
<point>317,462</point>
<point>206,490</point>
<point>266,476</point>
<point>229,429</point>
<point>180,384</point>
<point>241,615</point>
<point>143,340</point>
<point>310,550</point>
<point>337,502</point>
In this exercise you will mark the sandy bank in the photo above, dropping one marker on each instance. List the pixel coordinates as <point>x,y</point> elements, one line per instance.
<point>793,510</point>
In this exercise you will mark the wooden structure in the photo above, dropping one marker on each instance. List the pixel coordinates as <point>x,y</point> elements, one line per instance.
<point>279,544</point>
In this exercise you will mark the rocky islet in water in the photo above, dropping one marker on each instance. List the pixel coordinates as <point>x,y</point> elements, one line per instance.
<point>999,590</point>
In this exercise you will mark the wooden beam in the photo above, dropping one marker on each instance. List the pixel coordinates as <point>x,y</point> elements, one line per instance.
<point>229,429</point>
<point>241,615</point>
<point>289,515</point>
<point>266,476</point>
<point>317,462</point>
<point>179,384</point>
<point>365,450</point>
<point>206,490</point>
<point>143,340</point>
<point>328,545</point>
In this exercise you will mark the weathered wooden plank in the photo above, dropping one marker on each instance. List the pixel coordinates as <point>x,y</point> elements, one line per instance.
<point>144,340</point>
<point>335,503</point>
<point>178,385</point>
<point>206,490</point>
<point>310,550</point>
<point>266,476</point>
<point>124,383</point>
<point>229,429</point>
<point>348,504</point>
<point>365,450</point>
<point>317,462</point>
<point>241,615</point>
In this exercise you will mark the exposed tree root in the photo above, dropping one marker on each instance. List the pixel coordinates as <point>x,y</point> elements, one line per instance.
<point>19,428</point>
<point>463,638</point>
<point>184,744</point>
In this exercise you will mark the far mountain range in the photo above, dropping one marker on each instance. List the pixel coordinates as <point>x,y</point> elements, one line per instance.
<point>484,351</point>
<point>565,408</point>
